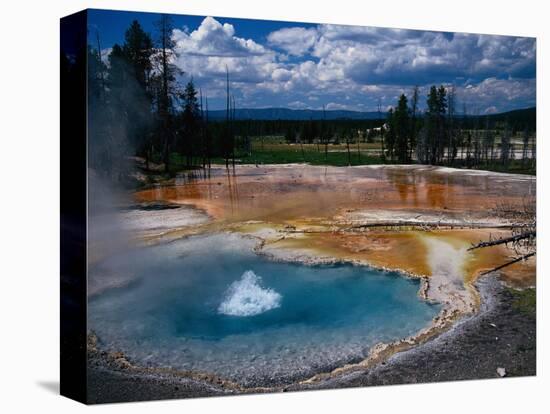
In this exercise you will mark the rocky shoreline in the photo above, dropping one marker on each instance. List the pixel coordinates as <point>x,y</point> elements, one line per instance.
<point>500,335</point>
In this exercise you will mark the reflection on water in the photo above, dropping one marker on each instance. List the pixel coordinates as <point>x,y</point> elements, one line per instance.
<point>323,199</point>
<point>278,193</point>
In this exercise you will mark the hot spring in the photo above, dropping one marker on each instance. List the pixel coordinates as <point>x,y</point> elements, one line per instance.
<point>210,304</point>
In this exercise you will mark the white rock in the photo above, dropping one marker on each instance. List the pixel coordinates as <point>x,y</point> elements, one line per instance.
<point>501,372</point>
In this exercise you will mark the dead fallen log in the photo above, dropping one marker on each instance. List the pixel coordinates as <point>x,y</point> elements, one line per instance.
<point>422,225</point>
<point>511,262</point>
<point>504,240</point>
<point>436,225</point>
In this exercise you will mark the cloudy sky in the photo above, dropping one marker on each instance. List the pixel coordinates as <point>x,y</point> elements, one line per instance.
<point>299,65</point>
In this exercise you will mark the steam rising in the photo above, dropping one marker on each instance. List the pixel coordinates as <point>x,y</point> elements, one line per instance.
<point>246,297</point>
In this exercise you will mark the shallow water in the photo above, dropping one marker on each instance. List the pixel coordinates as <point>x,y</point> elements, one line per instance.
<point>288,192</point>
<point>209,303</point>
<point>318,198</point>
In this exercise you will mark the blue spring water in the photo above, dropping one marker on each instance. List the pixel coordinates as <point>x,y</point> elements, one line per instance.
<point>211,304</point>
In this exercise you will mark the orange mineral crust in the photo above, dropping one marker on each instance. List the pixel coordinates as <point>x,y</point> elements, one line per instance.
<point>350,213</point>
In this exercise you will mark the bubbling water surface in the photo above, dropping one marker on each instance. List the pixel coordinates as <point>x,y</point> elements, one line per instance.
<point>246,297</point>
<point>210,304</point>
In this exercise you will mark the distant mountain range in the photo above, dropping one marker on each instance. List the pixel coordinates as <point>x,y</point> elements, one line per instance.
<point>523,115</point>
<point>273,114</point>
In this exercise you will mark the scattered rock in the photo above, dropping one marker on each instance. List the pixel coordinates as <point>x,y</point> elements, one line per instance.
<point>501,372</point>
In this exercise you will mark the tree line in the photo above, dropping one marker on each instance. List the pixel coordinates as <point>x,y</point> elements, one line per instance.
<point>137,106</point>
<point>439,136</point>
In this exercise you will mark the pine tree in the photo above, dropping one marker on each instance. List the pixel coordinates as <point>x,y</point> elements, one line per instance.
<point>401,123</point>
<point>191,120</point>
<point>131,71</point>
<point>138,49</point>
<point>435,124</point>
<point>99,117</point>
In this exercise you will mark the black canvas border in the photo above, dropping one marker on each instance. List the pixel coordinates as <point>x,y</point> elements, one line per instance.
<point>73,202</point>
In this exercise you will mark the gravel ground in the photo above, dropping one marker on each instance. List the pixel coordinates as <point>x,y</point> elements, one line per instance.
<point>500,336</point>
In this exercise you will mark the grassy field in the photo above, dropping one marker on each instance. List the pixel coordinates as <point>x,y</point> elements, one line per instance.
<point>525,300</point>
<point>274,150</point>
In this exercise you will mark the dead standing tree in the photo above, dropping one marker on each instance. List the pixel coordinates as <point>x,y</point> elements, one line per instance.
<point>525,147</point>
<point>451,150</point>
<point>534,152</point>
<point>324,135</point>
<point>382,138</point>
<point>357,139</point>
<point>232,129</point>
<point>505,147</point>
<point>228,132</point>
<point>413,132</point>
<point>167,87</point>
<point>347,137</point>
<point>203,131</point>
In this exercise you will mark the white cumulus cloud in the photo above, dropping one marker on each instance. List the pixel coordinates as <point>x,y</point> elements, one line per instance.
<point>354,67</point>
<point>296,41</point>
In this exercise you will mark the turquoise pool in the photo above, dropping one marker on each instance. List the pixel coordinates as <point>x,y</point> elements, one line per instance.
<point>210,303</point>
